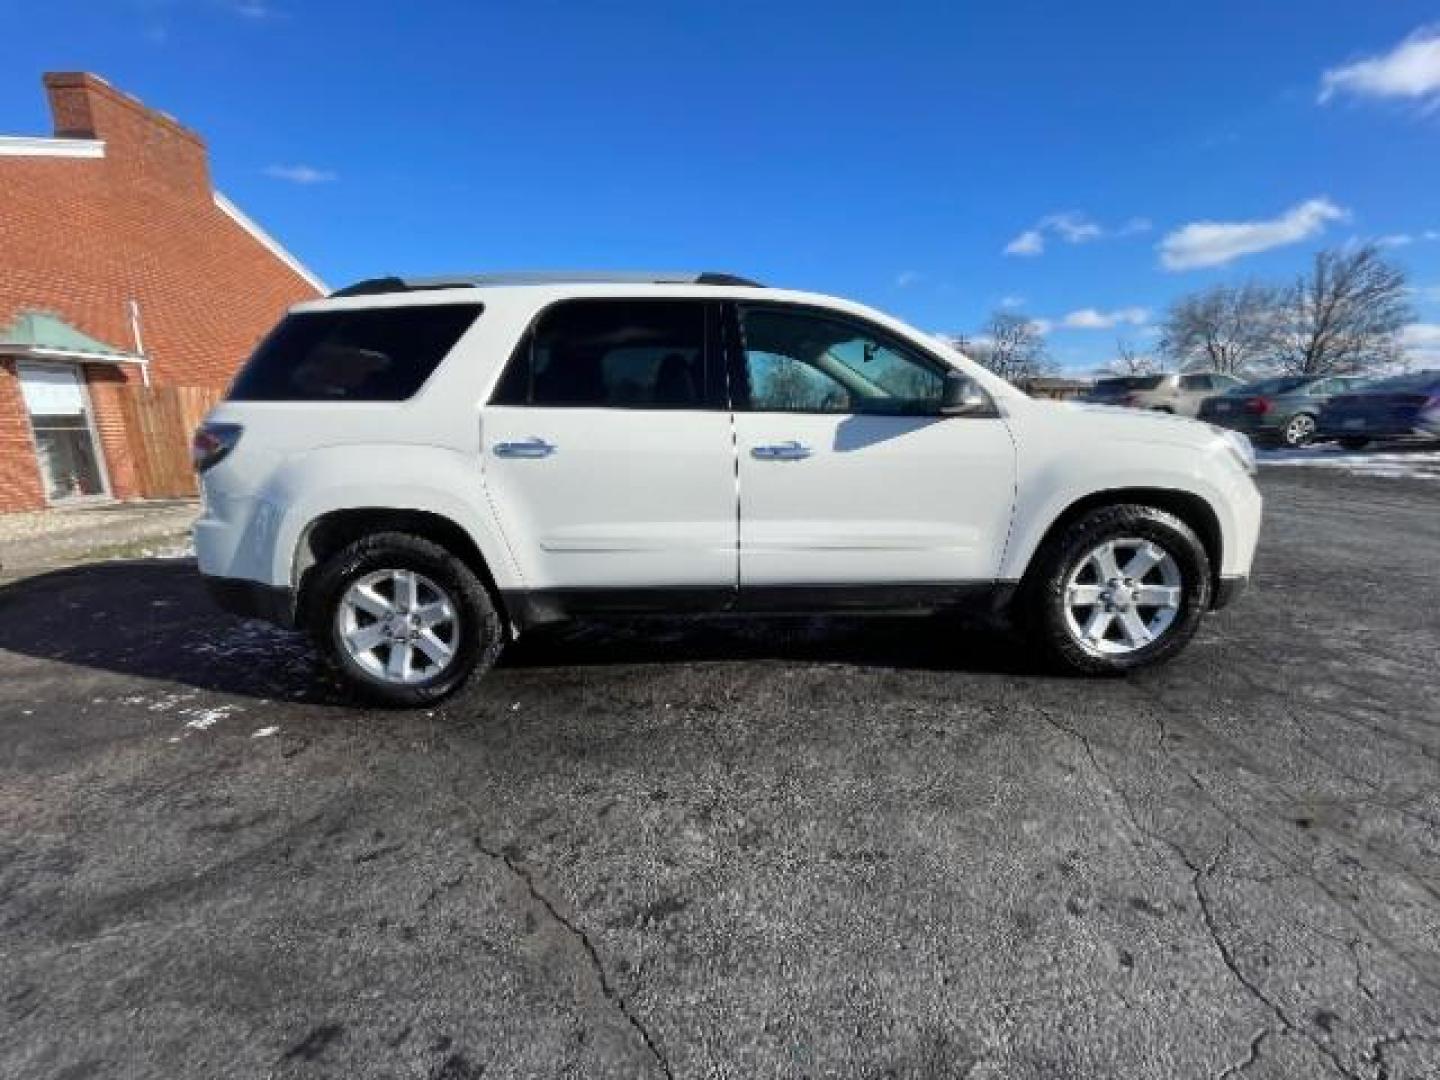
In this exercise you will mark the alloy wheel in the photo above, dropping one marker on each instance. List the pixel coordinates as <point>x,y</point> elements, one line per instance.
<point>398,626</point>
<point>1300,430</point>
<point>1123,596</point>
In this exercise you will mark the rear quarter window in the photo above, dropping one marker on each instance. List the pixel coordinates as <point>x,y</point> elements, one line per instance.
<point>362,354</point>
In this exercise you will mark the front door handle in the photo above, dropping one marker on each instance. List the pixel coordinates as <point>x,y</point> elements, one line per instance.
<point>786,451</point>
<point>533,447</point>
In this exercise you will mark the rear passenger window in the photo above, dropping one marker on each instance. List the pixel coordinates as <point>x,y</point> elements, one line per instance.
<point>366,354</point>
<point>625,354</point>
<point>1195,382</point>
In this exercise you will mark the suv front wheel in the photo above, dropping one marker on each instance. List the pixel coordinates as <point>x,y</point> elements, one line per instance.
<point>1119,588</point>
<point>402,620</point>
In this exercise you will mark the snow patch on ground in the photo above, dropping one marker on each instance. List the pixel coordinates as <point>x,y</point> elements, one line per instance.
<point>251,640</point>
<point>1421,464</point>
<point>205,719</point>
<point>165,702</point>
<point>265,732</point>
<point>180,549</point>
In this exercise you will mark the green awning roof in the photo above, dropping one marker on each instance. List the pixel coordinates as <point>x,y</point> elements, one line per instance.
<point>43,333</point>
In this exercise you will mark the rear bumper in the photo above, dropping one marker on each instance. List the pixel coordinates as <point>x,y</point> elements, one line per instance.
<point>252,600</point>
<point>1248,423</point>
<point>1228,590</point>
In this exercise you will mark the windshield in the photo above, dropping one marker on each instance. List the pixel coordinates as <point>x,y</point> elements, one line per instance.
<point>1282,385</point>
<point>1416,382</point>
<point>1126,383</point>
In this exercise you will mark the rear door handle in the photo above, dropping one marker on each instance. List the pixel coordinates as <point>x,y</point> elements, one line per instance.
<point>786,451</point>
<point>533,447</point>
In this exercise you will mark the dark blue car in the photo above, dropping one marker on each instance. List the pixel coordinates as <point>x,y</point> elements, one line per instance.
<point>1405,406</point>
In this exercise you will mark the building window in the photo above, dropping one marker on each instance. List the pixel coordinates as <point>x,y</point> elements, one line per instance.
<point>65,442</point>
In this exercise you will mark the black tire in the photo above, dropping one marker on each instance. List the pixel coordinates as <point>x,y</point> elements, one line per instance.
<point>1352,443</point>
<point>480,630</point>
<point>1043,596</point>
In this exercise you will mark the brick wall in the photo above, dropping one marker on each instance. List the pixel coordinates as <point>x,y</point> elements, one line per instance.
<point>83,236</point>
<point>20,486</point>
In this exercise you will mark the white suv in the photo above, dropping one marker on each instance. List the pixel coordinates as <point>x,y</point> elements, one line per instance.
<point>416,471</point>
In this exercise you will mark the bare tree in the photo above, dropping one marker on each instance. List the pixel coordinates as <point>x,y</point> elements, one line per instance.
<point>1347,314</point>
<point>1225,328</point>
<point>1012,346</point>
<point>1129,361</point>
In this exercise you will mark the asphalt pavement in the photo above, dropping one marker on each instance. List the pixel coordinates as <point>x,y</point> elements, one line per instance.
<point>891,848</point>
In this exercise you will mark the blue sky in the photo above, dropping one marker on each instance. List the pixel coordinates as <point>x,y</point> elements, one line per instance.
<point>887,152</point>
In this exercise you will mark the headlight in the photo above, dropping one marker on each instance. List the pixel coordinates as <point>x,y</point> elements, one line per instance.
<point>1241,448</point>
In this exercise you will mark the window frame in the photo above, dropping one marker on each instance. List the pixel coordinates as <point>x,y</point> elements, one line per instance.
<point>713,398</point>
<point>739,376</point>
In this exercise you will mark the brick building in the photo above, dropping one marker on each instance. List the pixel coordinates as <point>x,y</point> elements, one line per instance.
<point>120,266</point>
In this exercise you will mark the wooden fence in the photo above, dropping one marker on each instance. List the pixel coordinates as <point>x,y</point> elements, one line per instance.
<point>159,421</point>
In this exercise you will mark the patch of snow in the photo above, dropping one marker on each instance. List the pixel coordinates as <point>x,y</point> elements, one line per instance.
<point>1422,464</point>
<point>181,549</point>
<point>265,732</point>
<point>166,702</point>
<point>205,719</point>
<point>250,640</point>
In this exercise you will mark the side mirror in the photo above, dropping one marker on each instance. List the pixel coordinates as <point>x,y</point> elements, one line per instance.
<point>962,396</point>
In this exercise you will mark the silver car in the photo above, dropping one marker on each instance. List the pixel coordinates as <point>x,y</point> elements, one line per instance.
<point>1166,392</point>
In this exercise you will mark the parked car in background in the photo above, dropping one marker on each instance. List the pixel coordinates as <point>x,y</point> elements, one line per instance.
<point>1284,409</point>
<point>1165,392</point>
<point>416,471</point>
<point>1405,406</point>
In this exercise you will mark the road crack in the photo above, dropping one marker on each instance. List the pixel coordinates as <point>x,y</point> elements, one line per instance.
<point>608,989</point>
<point>1207,916</point>
<point>522,874</point>
<point>1249,1059</point>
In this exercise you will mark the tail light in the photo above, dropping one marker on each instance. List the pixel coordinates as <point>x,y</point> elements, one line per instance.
<point>1258,405</point>
<point>212,443</point>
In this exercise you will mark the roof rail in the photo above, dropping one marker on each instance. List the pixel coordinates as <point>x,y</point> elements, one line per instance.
<point>373,286</point>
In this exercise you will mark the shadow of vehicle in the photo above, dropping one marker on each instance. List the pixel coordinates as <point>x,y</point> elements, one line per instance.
<point>151,619</point>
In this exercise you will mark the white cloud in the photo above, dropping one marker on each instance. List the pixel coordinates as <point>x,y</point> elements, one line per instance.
<point>1092,319</point>
<point>1214,243</point>
<point>1042,326</point>
<point>1426,294</point>
<point>1029,242</point>
<point>906,278</point>
<point>251,9</point>
<point>1012,301</point>
<point>1411,70</point>
<point>1406,239</point>
<point>1422,343</point>
<point>300,174</point>
<point>1072,227</point>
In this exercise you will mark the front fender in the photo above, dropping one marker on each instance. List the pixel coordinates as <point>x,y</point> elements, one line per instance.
<point>1050,488</point>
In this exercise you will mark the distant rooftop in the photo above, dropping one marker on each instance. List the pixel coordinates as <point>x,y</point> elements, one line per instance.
<point>371,286</point>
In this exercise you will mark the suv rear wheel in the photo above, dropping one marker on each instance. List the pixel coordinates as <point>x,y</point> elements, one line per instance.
<point>402,620</point>
<point>1120,588</point>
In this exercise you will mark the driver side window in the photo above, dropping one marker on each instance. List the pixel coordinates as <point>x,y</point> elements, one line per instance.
<point>799,361</point>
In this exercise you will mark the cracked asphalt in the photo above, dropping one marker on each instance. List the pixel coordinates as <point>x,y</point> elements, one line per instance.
<point>819,848</point>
